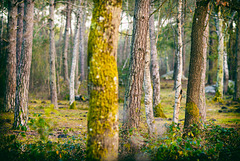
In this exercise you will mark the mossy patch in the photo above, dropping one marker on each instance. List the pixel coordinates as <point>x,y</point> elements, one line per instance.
<point>218,97</point>
<point>158,112</point>
<point>73,105</point>
<point>192,109</point>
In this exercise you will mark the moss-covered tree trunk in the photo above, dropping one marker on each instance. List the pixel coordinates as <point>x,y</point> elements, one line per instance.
<point>11,57</point>
<point>52,53</point>
<point>147,85</point>
<point>133,94</point>
<point>196,62</point>
<point>178,79</point>
<point>237,71</point>
<point>202,99</point>
<point>219,88</point>
<point>102,141</point>
<point>155,67</point>
<point>23,73</point>
<point>74,56</point>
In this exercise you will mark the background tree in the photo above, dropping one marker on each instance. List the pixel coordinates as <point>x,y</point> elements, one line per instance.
<point>102,142</point>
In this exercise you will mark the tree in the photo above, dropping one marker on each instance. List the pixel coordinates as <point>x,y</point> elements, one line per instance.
<point>133,93</point>
<point>66,40</point>
<point>178,78</point>
<point>74,56</point>
<point>237,70</point>
<point>52,53</point>
<point>102,142</point>
<point>11,57</point>
<point>23,73</point>
<point>155,68</point>
<point>196,62</point>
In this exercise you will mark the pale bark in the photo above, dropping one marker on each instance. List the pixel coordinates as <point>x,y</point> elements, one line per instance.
<point>178,79</point>
<point>148,100</point>
<point>102,142</point>
<point>23,73</point>
<point>133,94</point>
<point>52,53</point>
<point>11,57</point>
<point>219,88</point>
<point>202,99</point>
<point>225,63</point>
<point>154,62</point>
<point>74,57</point>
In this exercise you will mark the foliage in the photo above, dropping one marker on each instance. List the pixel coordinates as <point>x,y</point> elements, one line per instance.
<point>158,112</point>
<point>212,142</point>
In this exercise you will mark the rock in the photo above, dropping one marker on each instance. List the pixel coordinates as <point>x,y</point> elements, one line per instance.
<point>52,113</point>
<point>220,111</point>
<point>212,119</point>
<point>168,75</point>
<point>61,107</point>
<point>224,108</point>
<point>44,102</point>
<point>62,136</point>
<point>169,119</point>
<point>210,89</point>
<point>66,116</point>
<point>230,110</point>
<point>84,115</point>
<point>225,111</point>
<point>237,110</point>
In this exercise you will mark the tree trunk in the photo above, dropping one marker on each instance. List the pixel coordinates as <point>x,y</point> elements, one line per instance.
<point>102,142</point>
<point>184,6</point>
<point>74,57</point>
<point>178,79</point>
<point>210,61</point>
<point>219,88</point>
<point>196,63</point>
<point>155,68</point>
<point>133,94</point>
<point>225,66</point>
<point>52,53</point>
<point>202,99</point>
<point>148,91</point>
<point>19,30</point>
<point>237,74</point>
<point>23,73</point>
<point>66,41</point>
<point>11,57</point>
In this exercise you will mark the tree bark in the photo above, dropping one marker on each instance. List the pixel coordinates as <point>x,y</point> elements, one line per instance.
<point>52,53</point>
<point>219,88</point>
<point>154,66</point>
<point>225,66</point>
<point>11,57</point>
<point>178,79</point>
<point>23,73</point>
<point>210,61</point>
<point>74,57</point>
<point>102,142</point>
<point>66,41</point>
<point>196,62</point>
<point>148,91</point>
<point>237,74</point>
<point>202,99</point>
<point>133,94</point>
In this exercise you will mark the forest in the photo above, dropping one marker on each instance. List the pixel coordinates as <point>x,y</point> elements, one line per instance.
<point>126,80</point>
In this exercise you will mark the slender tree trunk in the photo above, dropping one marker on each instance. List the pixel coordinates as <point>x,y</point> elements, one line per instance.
<point>196,62</point>
<point>225,66</point>
<point>132,102</point>
<point>219,89</point>
<point>102,142</point>
<point>52,53</point>
<point>23,73</point>
<point>210,61</point>
<point>237,71</point>
<point>155,68</point>
<point>178,79</point>
<point>202,99</point>
<point>11,57</point>
<point>66,41</point>
<point>74,57</point>
<point>148,100</point>
<point>19,30</point>
<point>166,63</point>
<point>184,6</point>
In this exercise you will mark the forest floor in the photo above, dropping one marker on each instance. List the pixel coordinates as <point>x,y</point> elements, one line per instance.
<point>59,125</point>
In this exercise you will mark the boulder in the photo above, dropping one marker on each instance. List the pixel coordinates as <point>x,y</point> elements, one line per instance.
<point>168,76</point>
<point>210,89</point>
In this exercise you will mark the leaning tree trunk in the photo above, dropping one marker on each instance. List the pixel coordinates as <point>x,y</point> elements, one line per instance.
<point>219,88</point>
<point>133,94</point>
<point>74,57</point>
<point>196,62</point>
<point>23,73</point>
<point>102,142</point>
<point>148,91</point>
<point>158,112</point>
<point>66,41</point>
<point>11,57</point>
<point>178,79</point>
<point>202,99</point>
<point>237,71</point>
<point>52,53</point>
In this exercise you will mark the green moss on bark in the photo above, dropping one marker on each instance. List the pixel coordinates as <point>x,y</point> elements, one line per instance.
<point>158,112</point>
<point>192,109</point>
<point>73,105</point>
<point>218,97</point>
